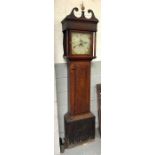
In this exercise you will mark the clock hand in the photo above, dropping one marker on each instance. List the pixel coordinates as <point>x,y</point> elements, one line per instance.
<point>84,42</point>
<point>74,46</point>
<point>80,44</point>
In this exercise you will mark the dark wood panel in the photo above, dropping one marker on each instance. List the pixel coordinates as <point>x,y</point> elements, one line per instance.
<point>79,129</point>
<point>79,87</point>
<point>98,90</point>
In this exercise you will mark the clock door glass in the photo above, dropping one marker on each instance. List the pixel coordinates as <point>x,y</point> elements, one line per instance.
<point>80,43</point>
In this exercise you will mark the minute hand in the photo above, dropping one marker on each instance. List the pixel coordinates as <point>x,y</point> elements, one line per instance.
<point>84,42</point>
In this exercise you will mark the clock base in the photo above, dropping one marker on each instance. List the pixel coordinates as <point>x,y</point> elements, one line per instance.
<point>79,128</point>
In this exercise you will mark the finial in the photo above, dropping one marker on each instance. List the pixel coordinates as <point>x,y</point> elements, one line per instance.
<point>82,6</point>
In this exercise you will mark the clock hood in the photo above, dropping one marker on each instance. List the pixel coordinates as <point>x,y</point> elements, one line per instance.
<point>80,23</point>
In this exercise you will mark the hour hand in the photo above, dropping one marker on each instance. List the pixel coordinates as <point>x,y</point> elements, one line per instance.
<point>74,46</point>
<point>84,42</point>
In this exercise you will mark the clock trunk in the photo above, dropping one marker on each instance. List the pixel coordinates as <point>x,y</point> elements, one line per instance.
<point>79,87</point>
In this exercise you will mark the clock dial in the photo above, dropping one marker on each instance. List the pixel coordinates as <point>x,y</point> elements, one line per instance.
<point>80,43</point>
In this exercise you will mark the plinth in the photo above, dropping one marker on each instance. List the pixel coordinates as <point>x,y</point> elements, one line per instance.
<point>79,129</point>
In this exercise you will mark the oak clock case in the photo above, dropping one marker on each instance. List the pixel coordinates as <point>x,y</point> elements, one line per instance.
<point>79,42</point>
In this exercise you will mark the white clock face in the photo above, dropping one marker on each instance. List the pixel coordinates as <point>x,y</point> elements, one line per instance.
<point>80,43</point>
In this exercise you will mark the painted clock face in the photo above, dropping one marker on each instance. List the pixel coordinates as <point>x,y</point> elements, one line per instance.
<point>80,43</point>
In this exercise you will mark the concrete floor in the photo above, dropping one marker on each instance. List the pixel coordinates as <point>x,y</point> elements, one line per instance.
<point>90,148</point>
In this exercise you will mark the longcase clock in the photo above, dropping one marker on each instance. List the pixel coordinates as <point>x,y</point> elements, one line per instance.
<point>79,42</point>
